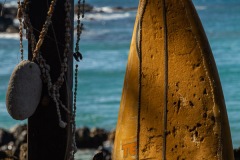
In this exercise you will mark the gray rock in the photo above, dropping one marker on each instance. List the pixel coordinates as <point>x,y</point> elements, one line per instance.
<point>15,144</point>
<point>22,139</point>
<point>17,130</point>
<point>121,9</point>
<point>102,154</point>
<point>98,136</point>
<point>24,90</point>
<point>12,29</point>
<point>83,137</point>
<point>5,22</point>
<point>9,11</point>
<point>90,139</point>
<point>98,156</point>
<point>87,8</point>
<point>111,136</point>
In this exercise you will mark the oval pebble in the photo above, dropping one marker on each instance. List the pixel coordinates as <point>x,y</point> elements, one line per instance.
<point>24,90</point>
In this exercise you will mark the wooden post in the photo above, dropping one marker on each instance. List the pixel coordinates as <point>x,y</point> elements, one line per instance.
<point>46,140</point>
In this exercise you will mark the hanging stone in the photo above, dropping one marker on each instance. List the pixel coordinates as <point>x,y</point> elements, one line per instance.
<point>24,90</point>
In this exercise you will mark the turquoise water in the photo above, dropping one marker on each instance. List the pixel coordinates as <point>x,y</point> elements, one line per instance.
<point>105,45</point>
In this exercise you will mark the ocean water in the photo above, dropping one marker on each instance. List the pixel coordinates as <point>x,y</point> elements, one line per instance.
<point>105,46</point>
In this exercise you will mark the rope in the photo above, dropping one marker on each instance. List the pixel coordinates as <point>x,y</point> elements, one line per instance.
<point>165,79</point>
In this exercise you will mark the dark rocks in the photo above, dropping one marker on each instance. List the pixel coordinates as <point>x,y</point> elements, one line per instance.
<point>111,136</point>
<point>19,134</point>
<point>237,154</point>
<point>12,140</point>
<point>90,139</point>
<point>83,137</point>
<point>5,22</point>
<point>87,8</point>
<point>124,9</point>
<point>12,29</point>
<point>8,14</point>
<point>13,143</point>
<point>9,11</point>
<point>6,156</point>
<point>5,137</point>
<point>102,153</point>
<point>17,130</point>
<point>98,156</point>
<point>98,136</point>
<point>22,139</point>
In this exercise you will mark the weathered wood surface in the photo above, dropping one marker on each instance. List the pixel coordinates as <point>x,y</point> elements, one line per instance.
<point>46,140</point>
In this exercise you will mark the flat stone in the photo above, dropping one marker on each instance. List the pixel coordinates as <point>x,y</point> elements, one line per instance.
<point>24,90</point>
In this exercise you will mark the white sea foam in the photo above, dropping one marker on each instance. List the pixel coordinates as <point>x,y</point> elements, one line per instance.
<point>9,35</point>
<point>84,154</point>
<point>103,9</point>
<point>201,7</point>
<point>104,100</point>
<point>106,13</point>
<point>11,4</point>
<point>89,34</point>
<point>107,16</point>
<point>16,22</point>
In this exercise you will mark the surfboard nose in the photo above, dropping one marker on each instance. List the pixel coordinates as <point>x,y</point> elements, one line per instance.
<point>197,124</point>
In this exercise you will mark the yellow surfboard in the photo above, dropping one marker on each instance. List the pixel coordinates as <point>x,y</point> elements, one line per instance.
<point>172,104</point>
